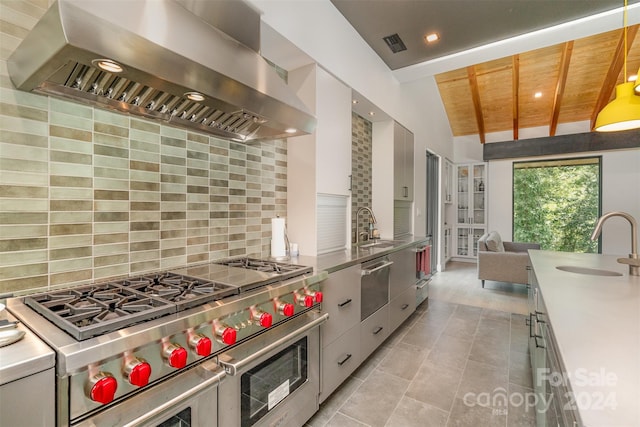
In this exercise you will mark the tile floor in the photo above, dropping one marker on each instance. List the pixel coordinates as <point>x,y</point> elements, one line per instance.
<point>460,360</point>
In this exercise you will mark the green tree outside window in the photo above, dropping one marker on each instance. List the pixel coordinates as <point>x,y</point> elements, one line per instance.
<point>557,203</point>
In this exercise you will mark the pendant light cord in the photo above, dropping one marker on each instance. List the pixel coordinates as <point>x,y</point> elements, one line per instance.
<point>624,19</point>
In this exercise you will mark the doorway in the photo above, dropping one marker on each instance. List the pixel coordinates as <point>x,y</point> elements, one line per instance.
<point>432,212</point>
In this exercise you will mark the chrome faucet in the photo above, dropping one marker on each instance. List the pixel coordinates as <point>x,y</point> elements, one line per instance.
<point>633,260</point>
<point>372,221</point>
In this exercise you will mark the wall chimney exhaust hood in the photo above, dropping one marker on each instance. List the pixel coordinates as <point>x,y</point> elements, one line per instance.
<point>164,60</point>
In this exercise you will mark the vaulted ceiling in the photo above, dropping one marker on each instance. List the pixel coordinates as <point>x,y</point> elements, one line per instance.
<point>575,79</point>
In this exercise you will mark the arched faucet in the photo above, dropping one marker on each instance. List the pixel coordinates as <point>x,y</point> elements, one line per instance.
<point>633,260</point>
<point>372,222</point>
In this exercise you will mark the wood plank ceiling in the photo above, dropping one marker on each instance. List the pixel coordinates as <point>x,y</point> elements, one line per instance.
<point>576,80</point>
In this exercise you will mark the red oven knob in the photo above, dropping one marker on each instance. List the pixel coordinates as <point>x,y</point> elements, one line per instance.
<point>176,356</point>
<point>284,308</point>
<point>260,317</point>
<point>201,344</point>
<point>138,372</point>
<point>315,295</point>
<point>266,320</point>
<point>318,296</point>
<point>102,388</point>
<point>225,333</point>
<point>303,300</point>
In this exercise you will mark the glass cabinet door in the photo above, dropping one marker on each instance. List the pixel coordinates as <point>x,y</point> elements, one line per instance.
<point>463,241</point>
<point>463,194</point>
<point>479,182</point>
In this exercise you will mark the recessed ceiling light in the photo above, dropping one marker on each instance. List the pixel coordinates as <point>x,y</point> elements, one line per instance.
<point>194,96</point>
<point>432,37</point>
<point>291,130</point>
<point>372,113</point>
<point>537,95</point>
<point>355,101</point>
<point>108,65</point>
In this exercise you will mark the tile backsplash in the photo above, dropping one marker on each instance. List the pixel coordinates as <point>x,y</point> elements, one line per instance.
<point>361,170</point>
<point>87,194</point>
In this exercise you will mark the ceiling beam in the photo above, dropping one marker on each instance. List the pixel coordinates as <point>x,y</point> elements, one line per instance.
<point>475,95</point>
<point>611,79</point>
<point>560,85</point>
<point>516,94</point>
<point>562,144</point>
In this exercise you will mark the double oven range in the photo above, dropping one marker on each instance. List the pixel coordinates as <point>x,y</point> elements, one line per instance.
<point>233,343</point>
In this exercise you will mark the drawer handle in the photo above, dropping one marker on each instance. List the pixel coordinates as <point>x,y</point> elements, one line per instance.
<point>536,339</point>
<point>342,304</point>
<point>404,306</point>
<point>377,330</point>
<point>343,361</point>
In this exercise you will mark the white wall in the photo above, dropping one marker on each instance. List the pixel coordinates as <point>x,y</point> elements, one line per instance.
<point>322,33</point>
<point>620,192</point>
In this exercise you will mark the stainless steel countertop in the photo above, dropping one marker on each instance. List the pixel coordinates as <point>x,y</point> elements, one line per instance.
<point>596,323</point>
<point>339,260</point>
<point>25,357</point>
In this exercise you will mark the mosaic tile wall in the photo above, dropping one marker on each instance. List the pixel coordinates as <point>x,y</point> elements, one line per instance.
<point>87,194</point>
<point>361,135</point>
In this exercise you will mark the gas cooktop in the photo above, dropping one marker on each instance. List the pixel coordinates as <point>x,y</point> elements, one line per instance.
<point>100,308</point>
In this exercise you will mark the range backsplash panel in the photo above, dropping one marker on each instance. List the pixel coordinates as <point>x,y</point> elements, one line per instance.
<point>87,194</point>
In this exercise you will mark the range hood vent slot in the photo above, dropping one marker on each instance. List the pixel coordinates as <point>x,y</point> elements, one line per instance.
<point>212,84</point>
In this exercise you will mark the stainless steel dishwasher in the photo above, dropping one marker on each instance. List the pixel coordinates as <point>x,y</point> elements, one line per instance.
<point>374,285</point>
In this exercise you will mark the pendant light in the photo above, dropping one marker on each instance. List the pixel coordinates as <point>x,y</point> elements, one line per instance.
<point>623,113</point>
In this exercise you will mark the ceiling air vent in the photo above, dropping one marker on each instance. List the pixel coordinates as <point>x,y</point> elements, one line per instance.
<point>395,43</point>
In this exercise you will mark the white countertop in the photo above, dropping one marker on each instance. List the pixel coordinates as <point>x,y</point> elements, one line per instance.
<point>596,323</point>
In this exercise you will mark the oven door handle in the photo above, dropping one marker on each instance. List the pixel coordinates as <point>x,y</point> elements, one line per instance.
<point>234,366</point>
<point>213,373</point>
<point>366,272</point>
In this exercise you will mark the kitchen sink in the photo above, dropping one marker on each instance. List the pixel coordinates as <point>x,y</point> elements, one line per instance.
<point>589,271</point>
<point>379,244</point>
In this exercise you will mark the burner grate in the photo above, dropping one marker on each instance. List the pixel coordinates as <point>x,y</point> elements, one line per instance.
<point>266,266</point>
<point>97,309</point>
<point>184,291</point>
<point>93,310</point>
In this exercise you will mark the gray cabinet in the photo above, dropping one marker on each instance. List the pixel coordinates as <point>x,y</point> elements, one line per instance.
<point>339,360</point>
<point>402,163</point>
<point>402,286</point>
<point>402,273</point>
<point>348,338</point>
<point>341,299</point>
<point>401,307</point>
<point>340,334</point>
<point>373,331</point>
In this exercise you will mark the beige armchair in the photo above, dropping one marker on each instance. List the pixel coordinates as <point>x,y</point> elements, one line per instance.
<point>503,261</point>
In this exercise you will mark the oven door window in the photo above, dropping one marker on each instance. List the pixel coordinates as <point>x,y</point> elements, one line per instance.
<point>181,419</point>
<point>267,384</point>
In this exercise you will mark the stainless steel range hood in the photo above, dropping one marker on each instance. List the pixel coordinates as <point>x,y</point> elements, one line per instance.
<point>176,67</point>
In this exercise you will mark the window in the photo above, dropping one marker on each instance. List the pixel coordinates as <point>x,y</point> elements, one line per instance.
<point>557,202</point>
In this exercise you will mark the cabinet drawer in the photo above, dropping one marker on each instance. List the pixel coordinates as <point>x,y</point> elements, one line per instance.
<point>401,307</point>
<point>341,299</point>
<point>339,360</point>
<point>402,273</point>
<point>373,331</point>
